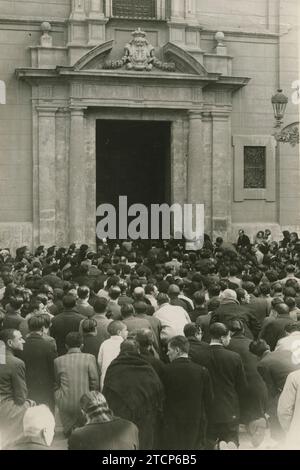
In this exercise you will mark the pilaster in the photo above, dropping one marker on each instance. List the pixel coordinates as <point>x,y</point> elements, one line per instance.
<point>77,183</point>
<point>221,174</point>
<point>46,174</point>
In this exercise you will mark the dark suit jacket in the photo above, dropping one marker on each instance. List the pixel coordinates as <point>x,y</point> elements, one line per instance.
<point>54,281</point>
<point>273,329</point>
<point>12,320</point>
<point>254,401</point>
<point>62,324</point>
<point>229,384</point>
<point>260,307</point>
<point>274,368</point>
<point>188,397</point>
<point>199,351</point>
<point>38,355</point>
<point>118,434</point>
<point>91,344</point>
<point>233,311</point>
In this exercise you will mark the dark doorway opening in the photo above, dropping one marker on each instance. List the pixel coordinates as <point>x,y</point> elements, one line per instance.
<point>133,160</point>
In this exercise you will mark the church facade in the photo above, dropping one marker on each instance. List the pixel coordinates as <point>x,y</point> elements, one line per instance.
<point>165,101</point>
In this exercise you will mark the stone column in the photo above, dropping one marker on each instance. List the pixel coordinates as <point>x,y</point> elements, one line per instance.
<point>46,175</point>
<point>62,175</point>
<point>77,180</point>
<point>194,171</point>
<point>221,174</point>
<point>207,169</point>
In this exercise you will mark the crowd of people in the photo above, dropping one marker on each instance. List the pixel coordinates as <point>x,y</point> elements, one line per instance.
<point>144,345</point>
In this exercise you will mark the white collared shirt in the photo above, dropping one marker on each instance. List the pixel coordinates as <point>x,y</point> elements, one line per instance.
<point>109,350</point>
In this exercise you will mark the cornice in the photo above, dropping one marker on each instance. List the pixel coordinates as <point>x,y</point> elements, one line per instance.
<point>28,20</point>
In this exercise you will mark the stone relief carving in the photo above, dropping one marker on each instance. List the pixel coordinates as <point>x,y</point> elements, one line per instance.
<point>289,134</point>
<point>139,55</point>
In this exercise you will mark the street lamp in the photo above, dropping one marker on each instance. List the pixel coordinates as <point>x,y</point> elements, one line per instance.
<point>290,134</point>
<point>279,103</point>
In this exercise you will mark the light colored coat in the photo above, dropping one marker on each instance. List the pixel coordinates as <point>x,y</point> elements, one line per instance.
<point>289,410</point>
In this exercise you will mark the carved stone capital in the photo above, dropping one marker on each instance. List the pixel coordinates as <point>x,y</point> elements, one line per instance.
<point>195,114</point>
<point>77,110</point>
<point>46,111</point>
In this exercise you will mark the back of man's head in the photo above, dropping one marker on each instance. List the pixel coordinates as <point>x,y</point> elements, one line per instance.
<point>265,288</point>
<point>39,422</point>
<point>16,302</point>
<point>36,323</point>
<point>277,288</point>
<point>259,347</point>
<point>127,310</point>
<point>114,327</point>
<point>144,337</point>
<point>289,292</point>
<point>180,342</point>
<point>249,287</point>
<point>100,305</point>
<point>173,290</point>
<point>89,325</point>
<point>130,346</point>
<point>162,298</point>
<point>138,293</point>
<point>73,340</point>
<point>140,307</point>
<point>199,298</point>
<point>114,292</point>
<point>83,292</point>
<point>69,301</point>
<point>290,302</point>
<point>282,309</point>
<point>236,326</point>
<point>218,330</point>
<point>290,269</point>
<point>191,330</point>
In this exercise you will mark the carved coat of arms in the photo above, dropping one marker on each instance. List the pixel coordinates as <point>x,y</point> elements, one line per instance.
<point>139,52</point>
<point>139,55</point>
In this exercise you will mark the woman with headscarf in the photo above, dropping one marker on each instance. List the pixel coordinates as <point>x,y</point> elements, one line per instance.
<point>103,430</point>
<point>134,392</point>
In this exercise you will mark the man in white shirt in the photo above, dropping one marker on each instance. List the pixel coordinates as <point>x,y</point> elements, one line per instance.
<point>173,318</point>
<point>110,348</point>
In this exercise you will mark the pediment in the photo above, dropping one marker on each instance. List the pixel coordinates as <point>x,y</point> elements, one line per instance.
<point>168,59</point>
<point>184,61</point>
<point>95,58</point>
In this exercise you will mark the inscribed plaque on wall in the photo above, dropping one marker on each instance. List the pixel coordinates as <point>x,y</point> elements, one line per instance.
<point>134,8</point>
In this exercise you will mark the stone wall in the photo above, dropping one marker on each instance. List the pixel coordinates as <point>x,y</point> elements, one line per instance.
<point>20,29</point>
<point>250,27</point>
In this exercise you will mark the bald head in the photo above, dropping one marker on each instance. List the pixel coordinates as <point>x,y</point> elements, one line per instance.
<point>173,290</point>
<point>139,293</point>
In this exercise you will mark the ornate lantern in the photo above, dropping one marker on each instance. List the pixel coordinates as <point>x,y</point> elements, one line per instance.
<point>279,103</point>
